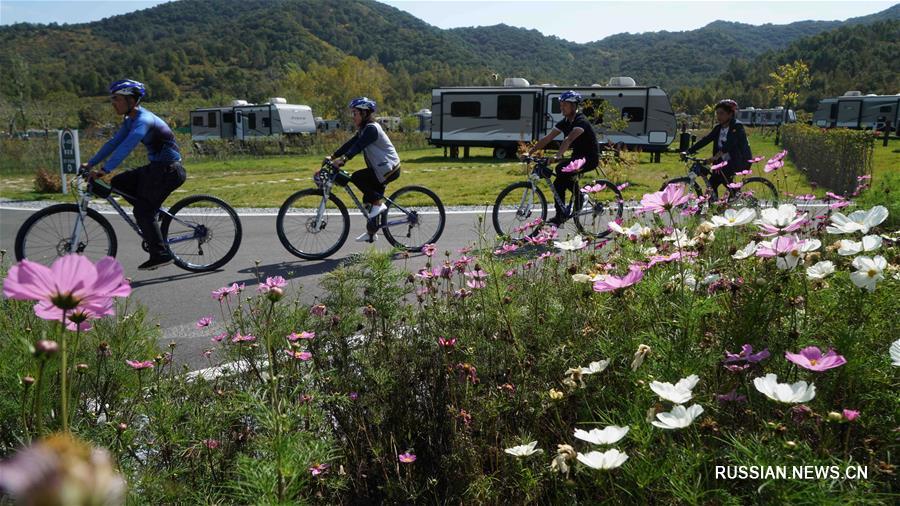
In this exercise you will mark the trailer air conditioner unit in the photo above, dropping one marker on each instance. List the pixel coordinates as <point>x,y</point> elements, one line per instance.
<point>238,103</point>
<point>621,81</point>
<point>853,93</point>
<point>277,100</point>
<point>515,82</point>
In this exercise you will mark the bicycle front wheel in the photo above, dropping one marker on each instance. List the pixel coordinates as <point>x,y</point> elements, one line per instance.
<point>596,208</point>
<point>202,232</point>
<point>415,217</point>
<point>517,209</point>
<point>58,230</point>
<point>755,193</point>
<point>311,226</point>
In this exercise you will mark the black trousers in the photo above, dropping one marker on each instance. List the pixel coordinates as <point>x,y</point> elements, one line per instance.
<point>369,185</point>
<point>148,187</point>
<point>564,181</point>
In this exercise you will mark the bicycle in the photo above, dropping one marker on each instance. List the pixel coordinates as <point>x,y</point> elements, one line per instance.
<point>754,191</point>
<point>304,218</point>
<point>592,207</point>
<point>201,232</point>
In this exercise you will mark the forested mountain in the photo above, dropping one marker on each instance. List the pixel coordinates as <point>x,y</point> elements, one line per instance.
<point>219,49</point>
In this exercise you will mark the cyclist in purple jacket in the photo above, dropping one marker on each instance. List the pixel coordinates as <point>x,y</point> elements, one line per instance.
<point>148,186</point>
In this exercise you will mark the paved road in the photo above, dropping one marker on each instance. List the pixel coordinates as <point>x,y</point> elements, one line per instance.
<point>176,298</point>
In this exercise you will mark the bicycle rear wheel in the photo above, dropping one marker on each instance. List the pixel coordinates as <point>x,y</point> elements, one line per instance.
<point>755,192</point>
<point>701,203</point>
<point>420,218</point>
<point>518,206</point>
<point>203,233</point>
<point>594,210</point>
<point>312,227</point>
<point>47,235</point>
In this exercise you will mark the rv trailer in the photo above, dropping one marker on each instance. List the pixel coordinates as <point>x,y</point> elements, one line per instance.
<point>751,116</point>
<point>502,116</point>
<point>855,110</point>
<point>242,120</point>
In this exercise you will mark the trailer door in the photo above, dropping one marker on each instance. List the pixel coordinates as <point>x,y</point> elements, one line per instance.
<point>848,113</point>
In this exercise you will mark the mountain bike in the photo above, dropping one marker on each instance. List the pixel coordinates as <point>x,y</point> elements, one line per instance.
<point>314,223</point>
<point>754,191</point>
<point>201,232</point>
<point>521,207</point>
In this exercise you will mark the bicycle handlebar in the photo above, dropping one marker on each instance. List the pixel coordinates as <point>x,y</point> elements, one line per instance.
<point>686,156</point>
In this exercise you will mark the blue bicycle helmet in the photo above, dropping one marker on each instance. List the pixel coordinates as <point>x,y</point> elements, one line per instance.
<point>128,87</point>
<point>570,96</point>
<point>364,103</point>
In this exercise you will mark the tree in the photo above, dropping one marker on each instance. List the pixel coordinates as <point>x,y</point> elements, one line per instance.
<point>328,89</point>
<point>788,81</point>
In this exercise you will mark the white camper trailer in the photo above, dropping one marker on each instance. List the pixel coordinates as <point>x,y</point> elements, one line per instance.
<point>242,120</point>
<point>855,110</point>
<point>502,116</point>
<point>751,116</point>
<point>388,123</point>
<point>327,125</point>
<point>423,116</point>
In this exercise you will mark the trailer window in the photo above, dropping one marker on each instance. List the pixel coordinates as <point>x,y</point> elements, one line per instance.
<point>197,121</point>
<point>509,106</point>
<point>228,117</point>
<point>634,114</point>
<point>554,105</point>
<point>465,109</point>
<point>885,108</point>
<point>211,120</point>
<point>834,110</point>
<point>251,121</point>
<point>267,122</point>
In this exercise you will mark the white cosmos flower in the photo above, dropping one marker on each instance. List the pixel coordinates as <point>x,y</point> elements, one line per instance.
<point>609,459</point>
<point>580,278</point>
<point>680,238</point>
<point>595,367</point>
<point>679,418</point>
<point>524,450</point>
<point>745,252</point>
<point>573,244</point>
<point>734,217</point>
<point>869,272</point>
<point>609,435</point>
<point>679,393</point>
<point>858,221</point>
<point>633,232</point>
<point>781,219</point>
<point>820,270</point>
<point>895,353</point>
<point>649,251</point>
<point>784,392</point>
<point>868,243</point>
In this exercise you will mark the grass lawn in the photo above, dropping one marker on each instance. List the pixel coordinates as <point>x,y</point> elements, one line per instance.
<point>247,181</point>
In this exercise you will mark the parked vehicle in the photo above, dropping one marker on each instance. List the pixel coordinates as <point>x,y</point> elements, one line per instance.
<point>751,116</point>
<point>243,120</point>
<point>855,110</point>
<point>502,116</point>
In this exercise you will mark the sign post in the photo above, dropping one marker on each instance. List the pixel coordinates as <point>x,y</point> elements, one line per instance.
<point>69,155</point>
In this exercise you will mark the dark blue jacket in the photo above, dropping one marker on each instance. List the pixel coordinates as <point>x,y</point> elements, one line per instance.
<point>736,146</point>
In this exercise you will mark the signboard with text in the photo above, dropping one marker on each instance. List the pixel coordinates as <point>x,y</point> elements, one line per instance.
<point>69,154</point>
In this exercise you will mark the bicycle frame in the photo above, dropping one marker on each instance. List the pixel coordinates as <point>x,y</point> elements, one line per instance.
<point>84,201</point>
<point>328,185</point>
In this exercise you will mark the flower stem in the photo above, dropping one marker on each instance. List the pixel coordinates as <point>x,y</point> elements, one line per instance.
<point>64,376</point>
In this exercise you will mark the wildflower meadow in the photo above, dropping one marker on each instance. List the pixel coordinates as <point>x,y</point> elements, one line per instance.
<point>680,360</point>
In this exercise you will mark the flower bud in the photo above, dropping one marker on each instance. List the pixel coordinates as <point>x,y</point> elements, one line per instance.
<point>834,416</point>
<point>45,348</point>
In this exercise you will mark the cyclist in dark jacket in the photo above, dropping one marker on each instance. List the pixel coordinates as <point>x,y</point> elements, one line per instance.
<point>580,136</point>
<point>730,144</point>
<point>149,185</point>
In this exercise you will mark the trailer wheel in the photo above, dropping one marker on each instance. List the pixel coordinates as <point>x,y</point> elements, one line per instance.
<point>504,152</point>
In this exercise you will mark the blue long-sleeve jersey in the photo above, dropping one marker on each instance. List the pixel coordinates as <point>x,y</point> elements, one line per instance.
<point>145,127</point>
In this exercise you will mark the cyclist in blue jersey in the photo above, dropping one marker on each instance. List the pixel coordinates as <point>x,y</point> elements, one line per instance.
<point>578,134</point>
<point>382,160</point>
<point>149,185</point>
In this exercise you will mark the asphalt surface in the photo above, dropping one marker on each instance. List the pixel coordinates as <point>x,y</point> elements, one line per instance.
<point>176,298</point>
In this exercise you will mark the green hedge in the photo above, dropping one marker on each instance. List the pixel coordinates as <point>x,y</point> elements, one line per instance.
<point>832,158</point>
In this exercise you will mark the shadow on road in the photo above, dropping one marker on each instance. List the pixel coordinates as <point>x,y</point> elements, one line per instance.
<point>174,277</point>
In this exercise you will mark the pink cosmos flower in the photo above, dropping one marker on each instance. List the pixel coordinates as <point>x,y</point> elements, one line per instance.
<point>735,186</point>
<point>476,279</point>
<point>80,320</point>
<point>204,322</point>
<point>465,250</point>
<point>599,187</point>
<point>461,263</point>
<point>220,294</point>
<point>212,444</point>
<point>573,166</point>
<point>780,246</point>
<point>299,355</point>
<point>850,414</point>
<point>744,172</point>
<point>271,282</point>
<point>746,354</point>
<point>757,159</point>
<point>319,469</point>
<point>407,458</point>
<point>510,273</point>
<point>462,293</point>
<point>293,336</point>
<point>138,365</point>
<point>678,255</point>
<point>772,166</point>
<point>719,166</point>
<point>612,283</point>
<point>662,201</point>
<point>429,250</point>
<point>731,396</point>
<point>807,197</point>
<point>811,358</point>
<point>623,186</point>
<point>506,248</point>
<point>778,156</point>
<point>353,396</point>
<point>238,338</point>
<point>219,337</point>
<point>318,310</point>
<point>73,281</point>
<point>447,343</point>
<point>839,204</point>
